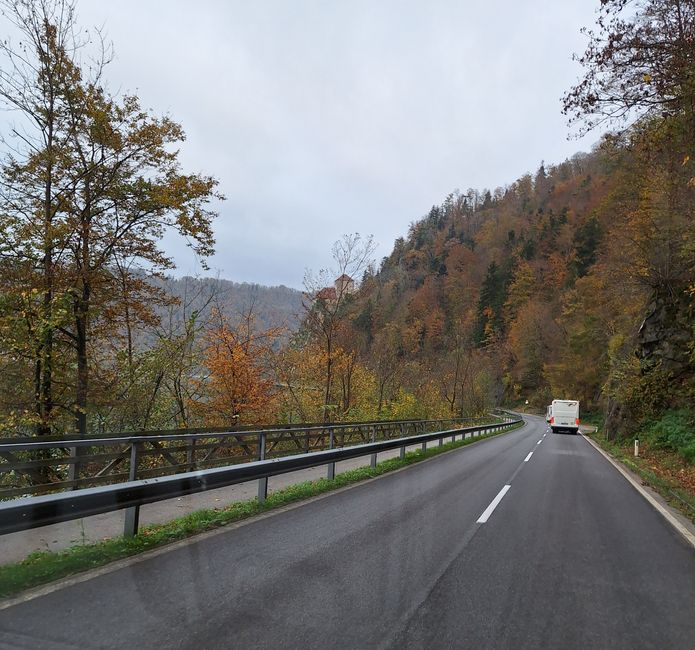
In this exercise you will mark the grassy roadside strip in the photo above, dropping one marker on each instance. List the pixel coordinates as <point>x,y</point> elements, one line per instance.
<point>45,566</point>
<point>676,497</point>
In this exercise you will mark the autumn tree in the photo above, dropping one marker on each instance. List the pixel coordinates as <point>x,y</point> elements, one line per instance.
<point>638,63</point>
<point>106,175</point>
<point>493,294</point>
<point>33,74</point>
<point>458,367</point>
<point>128,190</point>
<point>299,368</point>
<point>639,73</point>
<point>327,294</point>
<point>238,386</point>
<point>385,357</point>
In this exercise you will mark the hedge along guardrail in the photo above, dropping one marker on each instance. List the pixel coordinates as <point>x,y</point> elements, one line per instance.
<point>41,466</point>
<point>34,512</point>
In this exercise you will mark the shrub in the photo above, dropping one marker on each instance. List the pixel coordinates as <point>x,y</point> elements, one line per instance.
<point>674,430</point>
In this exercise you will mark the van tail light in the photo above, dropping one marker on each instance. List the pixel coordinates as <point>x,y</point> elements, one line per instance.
<point>576,421</point>
<point>552,419</point>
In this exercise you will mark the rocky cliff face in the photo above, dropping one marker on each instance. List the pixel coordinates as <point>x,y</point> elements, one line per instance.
<point>667,332</point>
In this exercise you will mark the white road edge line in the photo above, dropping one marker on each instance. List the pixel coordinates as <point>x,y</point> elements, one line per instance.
<point>539,442</point>
<point>689,537</point>
<point>490,509</point>
<point>526,460</point>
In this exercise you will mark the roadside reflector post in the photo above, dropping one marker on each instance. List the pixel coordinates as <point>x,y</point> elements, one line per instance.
<point>262,482</point>
<point>132,515</point>
<point>331,466</point>
<point>402,454</point>
<point>424,447</point>
<point>636,448</point>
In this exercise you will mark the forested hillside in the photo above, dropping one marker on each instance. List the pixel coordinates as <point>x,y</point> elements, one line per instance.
<point>576,281</point>
<point>532,291</point>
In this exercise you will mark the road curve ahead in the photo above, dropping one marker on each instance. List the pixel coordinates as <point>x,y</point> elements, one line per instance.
<point>525,540</point>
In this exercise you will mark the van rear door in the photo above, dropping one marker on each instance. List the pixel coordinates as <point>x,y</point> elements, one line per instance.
<point>565,415</point>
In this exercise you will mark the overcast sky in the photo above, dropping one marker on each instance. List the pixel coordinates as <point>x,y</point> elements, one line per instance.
<point>323,117</point>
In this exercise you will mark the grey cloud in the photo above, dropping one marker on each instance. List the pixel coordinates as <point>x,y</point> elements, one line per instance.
<point>321,118</point>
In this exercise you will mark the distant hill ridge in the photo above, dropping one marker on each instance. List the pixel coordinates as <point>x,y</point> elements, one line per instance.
<point>277,306</point>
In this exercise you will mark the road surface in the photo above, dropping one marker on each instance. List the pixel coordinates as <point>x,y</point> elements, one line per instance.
<point>519,541</point>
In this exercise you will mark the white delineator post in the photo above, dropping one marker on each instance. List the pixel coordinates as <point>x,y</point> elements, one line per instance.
<point>636,448</point>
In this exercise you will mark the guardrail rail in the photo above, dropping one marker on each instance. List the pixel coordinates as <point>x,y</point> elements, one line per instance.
<point>35,511</point>
<point>31,465</point>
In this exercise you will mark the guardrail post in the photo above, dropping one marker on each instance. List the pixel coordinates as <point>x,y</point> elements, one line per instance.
<point>132,515</point>
<point>372,460</point>
<point>190,455</point>
<point>403,428</point>
<point>331,466</point>
<point>262,482</point>
<point>72,471</point>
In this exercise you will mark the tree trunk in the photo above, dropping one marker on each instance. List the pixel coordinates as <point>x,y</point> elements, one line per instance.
<point>128,329</point>
<point>82,387</point>
<point>329,383</point>
<point>382,387</point>
<point>45,361</point>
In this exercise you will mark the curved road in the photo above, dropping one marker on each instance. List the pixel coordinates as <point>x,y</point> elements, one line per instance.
<point>519,541</point>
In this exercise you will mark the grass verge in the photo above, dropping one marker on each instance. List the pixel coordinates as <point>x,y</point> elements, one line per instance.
<point>663,471</point>
<point>45,566</point>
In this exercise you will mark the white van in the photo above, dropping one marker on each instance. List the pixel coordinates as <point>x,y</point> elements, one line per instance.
<point>564,416</point>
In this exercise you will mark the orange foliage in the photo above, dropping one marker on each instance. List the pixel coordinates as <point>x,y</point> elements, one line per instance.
<point>238,388</point>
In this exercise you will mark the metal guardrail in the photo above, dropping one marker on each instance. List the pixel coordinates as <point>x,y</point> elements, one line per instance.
<point>31,466</point>
<point>244,428</point>
<point>34,512</point>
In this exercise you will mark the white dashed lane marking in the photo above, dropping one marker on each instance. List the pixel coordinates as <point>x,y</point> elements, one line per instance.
<point>490,509</point>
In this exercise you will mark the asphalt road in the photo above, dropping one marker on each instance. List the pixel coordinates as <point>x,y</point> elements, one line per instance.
<point>570,557</point>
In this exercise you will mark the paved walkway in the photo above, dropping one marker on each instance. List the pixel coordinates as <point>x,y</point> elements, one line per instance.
<point>17,546</point>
